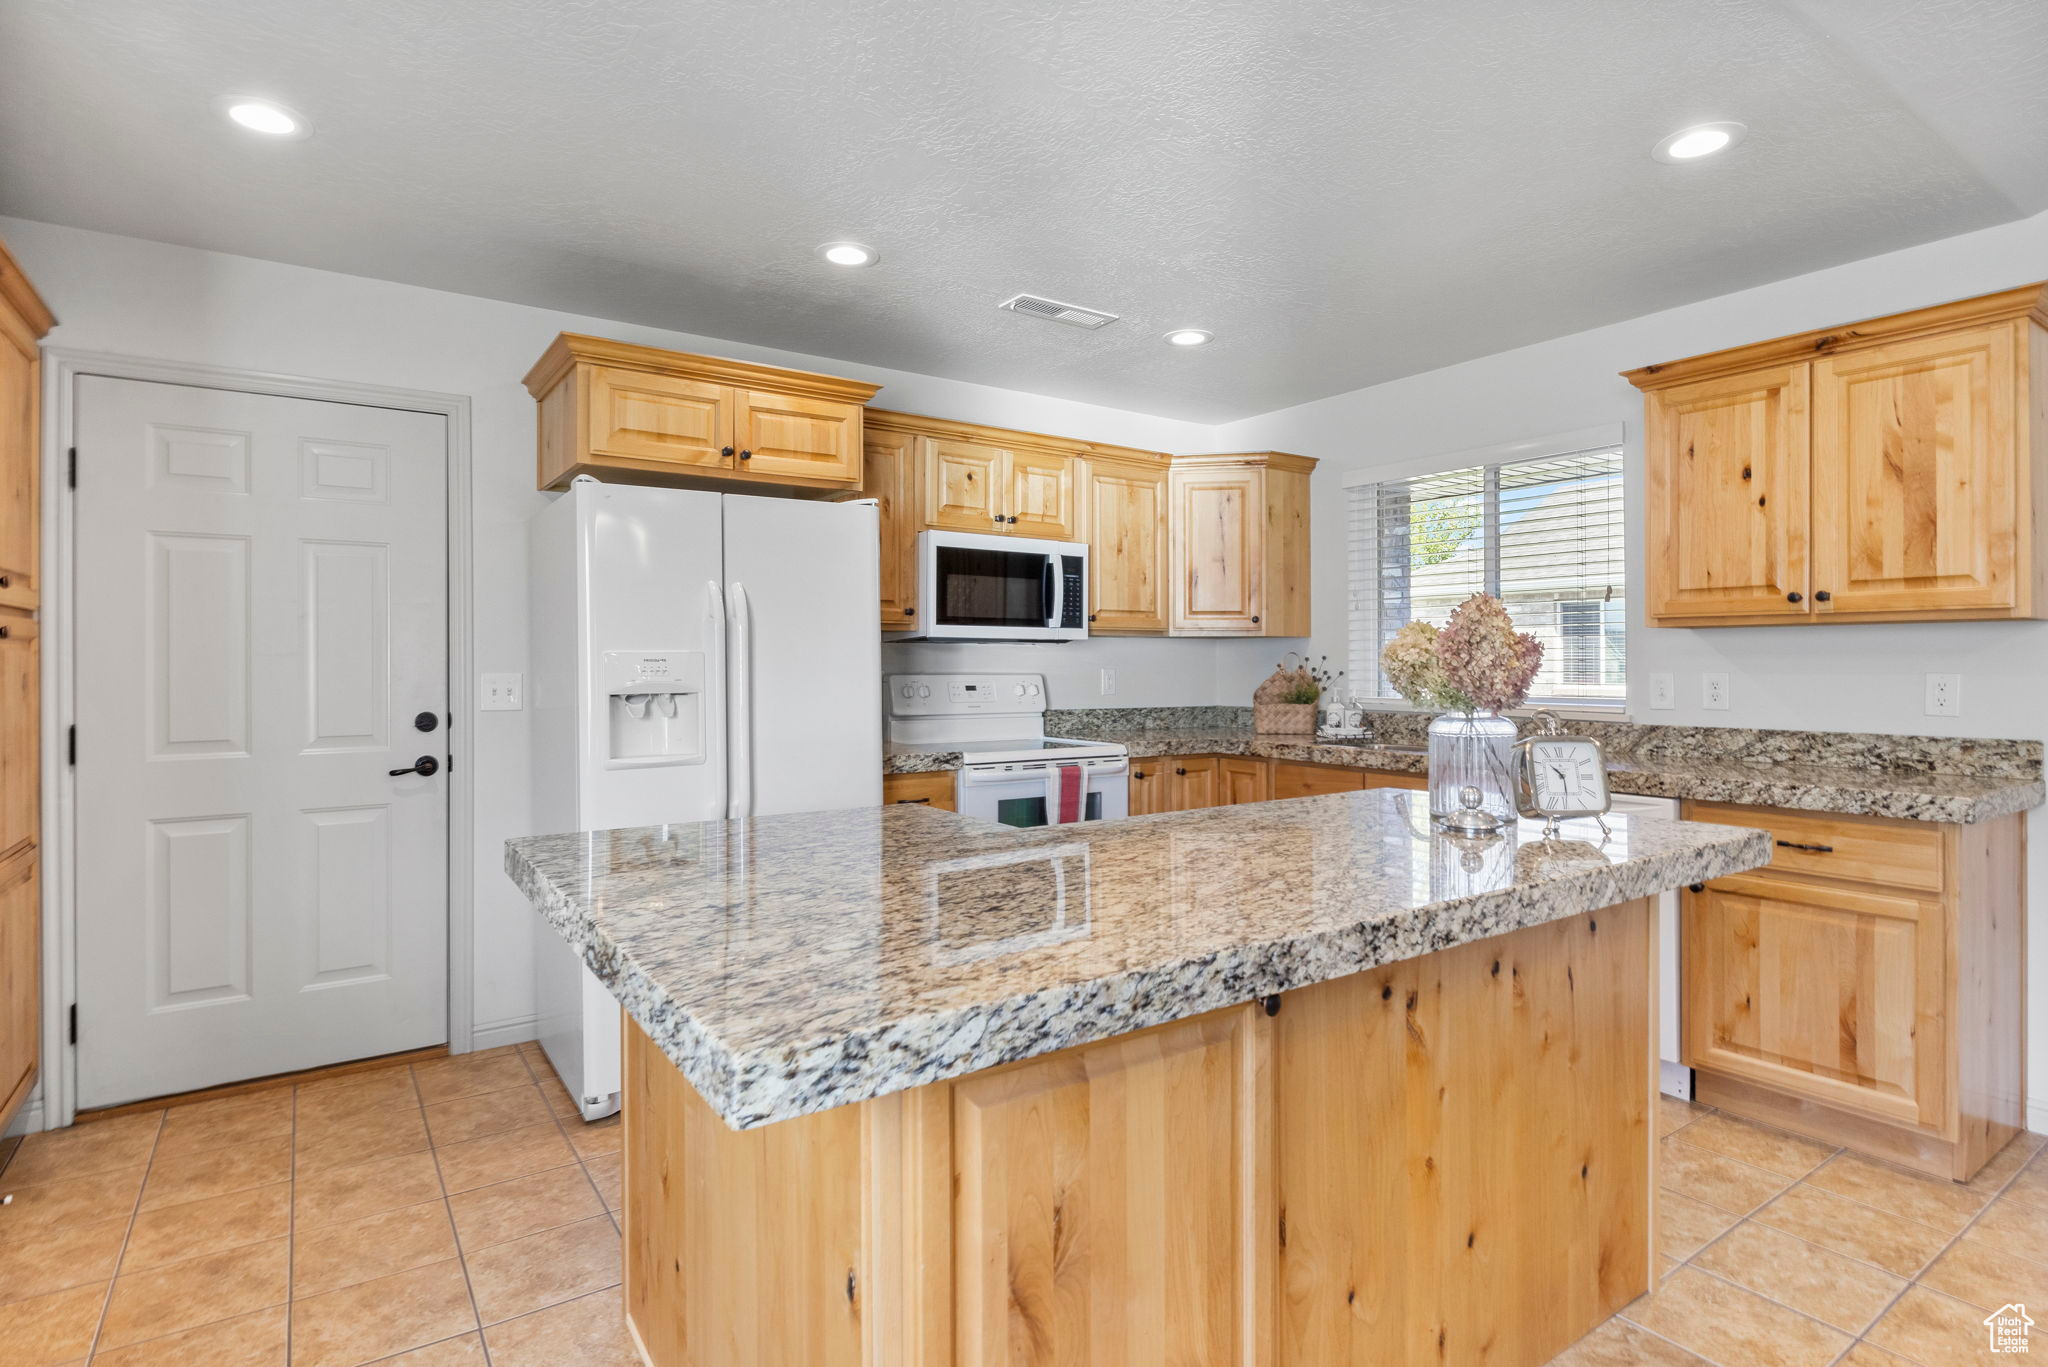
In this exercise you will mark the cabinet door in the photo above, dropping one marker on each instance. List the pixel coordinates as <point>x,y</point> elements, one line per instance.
<point>1243,780</point>
<point>1039,496</point>
<point>961,486</point>
<point>1818,991</point>
<point>1112,1205</point>
<point>19,463</point>
<point>20,734</point>
<point>1315,780</point>
<point>1126,510</point>
<point>782,437</point>
<point>1195,783</point>
<point>925,790</point>
<point>1915,465</point>
<point>889,476</point>
<point>659,419</point>
<point>1151,786</point>
<point>20,979</point>
<point>1218,547</point>
<point>1727,493</point>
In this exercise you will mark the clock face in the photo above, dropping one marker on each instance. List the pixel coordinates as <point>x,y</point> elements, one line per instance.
<point>1566,775</point>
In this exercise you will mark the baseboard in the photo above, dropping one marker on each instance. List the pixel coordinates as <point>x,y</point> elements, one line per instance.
<point>497,1034</point>
<point>2037,1117</point>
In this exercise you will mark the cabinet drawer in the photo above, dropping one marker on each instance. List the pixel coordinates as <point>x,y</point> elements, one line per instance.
<point>1893,854</point>
<point>929,790</point>
<point>1315,780</point>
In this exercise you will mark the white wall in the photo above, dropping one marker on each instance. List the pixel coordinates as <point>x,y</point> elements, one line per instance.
<point>137,298</point>
<point>1835,678</point>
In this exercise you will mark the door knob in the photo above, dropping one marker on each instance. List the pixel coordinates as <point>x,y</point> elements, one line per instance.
<point>426,766</point>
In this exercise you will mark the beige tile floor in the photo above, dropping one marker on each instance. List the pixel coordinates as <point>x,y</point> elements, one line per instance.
<point>456,1212</point>
<point>435,1214</point>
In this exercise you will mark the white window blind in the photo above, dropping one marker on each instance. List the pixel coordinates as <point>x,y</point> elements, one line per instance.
<point>1544,534</point>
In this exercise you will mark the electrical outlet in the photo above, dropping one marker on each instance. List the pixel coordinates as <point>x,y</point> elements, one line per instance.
<point>1663,692</point>
<point>1944,695</point>
<point>1714,692</point>
<point>503,693</point>
<point>1108,682</point>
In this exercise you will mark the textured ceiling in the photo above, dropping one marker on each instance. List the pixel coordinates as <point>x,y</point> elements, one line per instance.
<point>1344,192</point>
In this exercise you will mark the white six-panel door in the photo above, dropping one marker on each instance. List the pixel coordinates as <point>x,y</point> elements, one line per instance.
<point>261,610</point>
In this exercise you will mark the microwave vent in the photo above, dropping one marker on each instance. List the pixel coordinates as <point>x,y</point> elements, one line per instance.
<point>1053,311</point>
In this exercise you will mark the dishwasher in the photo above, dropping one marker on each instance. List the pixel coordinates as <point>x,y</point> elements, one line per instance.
<point>1673,1077</point>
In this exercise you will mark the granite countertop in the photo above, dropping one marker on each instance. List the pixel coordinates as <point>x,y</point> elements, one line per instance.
<point>790,964</point>
<point>1865,785</point>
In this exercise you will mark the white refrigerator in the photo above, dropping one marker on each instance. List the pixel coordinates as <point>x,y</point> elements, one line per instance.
<point>696,657</point>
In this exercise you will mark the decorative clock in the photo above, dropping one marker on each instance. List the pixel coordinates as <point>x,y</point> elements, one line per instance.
<point>1559,776</point>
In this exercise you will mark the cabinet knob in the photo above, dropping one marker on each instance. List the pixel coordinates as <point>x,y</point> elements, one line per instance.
<point>1695,887</point>
<point>1255,621</point>
<point>1091,616</point>
<point>1793,596</point>
<point>3,633</point>
<point>910,612</point>
<point>1179,771</point>
<point>1822,596</point>
<point>3,581</point>
<point>725,451</point>
<point>746,455</point>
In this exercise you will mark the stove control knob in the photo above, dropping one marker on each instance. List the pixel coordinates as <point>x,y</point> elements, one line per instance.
<point>924,690</point>
<point>1020,690</point>
<point>1034,690</point>
<point>907,691</point>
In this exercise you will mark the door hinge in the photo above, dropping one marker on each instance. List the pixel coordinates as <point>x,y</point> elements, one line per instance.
<point>71,746</point>
<point>74,1022</point>
<point>71,468</point>
<point>451,761</point>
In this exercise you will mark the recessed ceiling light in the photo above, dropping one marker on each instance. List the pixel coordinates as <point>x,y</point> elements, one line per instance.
<point>262,116</point>
<point>1190,337</point>
<point>1701,140</point>
<point>849,254</point>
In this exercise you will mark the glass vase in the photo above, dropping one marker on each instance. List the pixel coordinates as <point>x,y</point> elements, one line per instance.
<point>1471,766</point>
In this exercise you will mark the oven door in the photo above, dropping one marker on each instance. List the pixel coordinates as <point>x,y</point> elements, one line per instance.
<point>1029,794</point>
<point>1000,588</point>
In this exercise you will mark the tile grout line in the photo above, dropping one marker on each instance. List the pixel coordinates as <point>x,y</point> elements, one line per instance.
<point>562,1126</point>
<point>134,1212</point>
<point>448,1209</point>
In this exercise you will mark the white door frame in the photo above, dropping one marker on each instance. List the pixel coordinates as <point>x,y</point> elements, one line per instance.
<point>62,366</point>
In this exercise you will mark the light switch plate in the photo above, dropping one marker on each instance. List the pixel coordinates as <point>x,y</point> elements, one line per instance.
<point>1944,695</point>
<point>1714,692</point>
<point>1108,682</point>
<point>1663,692</point>
<point>503,692</point>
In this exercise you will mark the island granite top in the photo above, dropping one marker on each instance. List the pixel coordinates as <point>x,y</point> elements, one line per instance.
<point>790,964</point>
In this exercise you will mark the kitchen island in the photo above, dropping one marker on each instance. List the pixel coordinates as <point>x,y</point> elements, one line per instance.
<point>1298,1082</point>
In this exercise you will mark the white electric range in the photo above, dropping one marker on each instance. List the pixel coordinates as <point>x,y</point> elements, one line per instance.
<point>1010,770</point>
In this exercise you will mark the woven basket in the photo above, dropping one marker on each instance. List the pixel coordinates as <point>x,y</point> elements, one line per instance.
<point>1284,718</point>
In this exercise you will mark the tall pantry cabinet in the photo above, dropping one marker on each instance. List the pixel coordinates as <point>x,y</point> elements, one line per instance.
<point>23,321</point>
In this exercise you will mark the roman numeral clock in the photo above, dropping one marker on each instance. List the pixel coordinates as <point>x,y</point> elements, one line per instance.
<point>1559,776</point>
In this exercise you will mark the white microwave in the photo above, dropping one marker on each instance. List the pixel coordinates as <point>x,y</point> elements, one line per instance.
<point>975,587</point>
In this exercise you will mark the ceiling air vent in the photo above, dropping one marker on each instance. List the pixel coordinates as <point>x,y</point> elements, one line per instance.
<point>1053,311</point>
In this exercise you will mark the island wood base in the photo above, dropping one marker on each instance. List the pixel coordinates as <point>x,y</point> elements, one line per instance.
<point>1445,1160</point>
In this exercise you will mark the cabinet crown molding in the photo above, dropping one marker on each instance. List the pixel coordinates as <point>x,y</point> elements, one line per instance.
<point>1276,460</point>
<point>21,296</point>
<point>1009,438</point>
<point>572,348</point>
<point>2028,301</point>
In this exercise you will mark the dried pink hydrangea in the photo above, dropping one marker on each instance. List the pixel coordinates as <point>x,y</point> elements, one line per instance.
<point>1417,673</point>
<point>1485,658</point>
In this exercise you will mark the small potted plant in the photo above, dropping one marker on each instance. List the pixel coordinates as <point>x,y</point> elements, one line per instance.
<point>1285,704</point>
<point>1471,672</point>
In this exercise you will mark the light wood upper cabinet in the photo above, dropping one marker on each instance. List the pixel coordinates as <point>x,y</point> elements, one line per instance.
<point>645,415</point>
<point>1240,545</point>
<point>23,321</point>
<point>1727,496</point>
<point>963,485</point>
<point>1041,495</point>
<point>1127,544</point>
<point>20,730</point>
<point>1884,472</point>
<point>1914,475</point>
<point>889,476</point>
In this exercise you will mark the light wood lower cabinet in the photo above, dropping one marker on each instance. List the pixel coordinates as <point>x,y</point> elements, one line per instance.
<point>1865,988</point>
<point>1243,780</point>
<point>1194,783</point>
<point>20,731</point>
<point>20,978</point>
<point>927,790</point>
<point>1314,780</point>
<point>1443,1160</point>
<point>1151,786</point>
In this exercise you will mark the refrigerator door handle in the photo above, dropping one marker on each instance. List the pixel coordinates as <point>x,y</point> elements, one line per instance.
<point>714,686</point>
<point>740,711</point>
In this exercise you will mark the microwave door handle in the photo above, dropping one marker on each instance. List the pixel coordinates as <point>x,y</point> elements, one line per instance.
<point>1048,592</point>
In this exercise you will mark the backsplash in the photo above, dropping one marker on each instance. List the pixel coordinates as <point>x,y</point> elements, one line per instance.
<point>1733,744</point>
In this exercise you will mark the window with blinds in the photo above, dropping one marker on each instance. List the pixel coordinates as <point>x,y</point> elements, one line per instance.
<point>1545,535</point>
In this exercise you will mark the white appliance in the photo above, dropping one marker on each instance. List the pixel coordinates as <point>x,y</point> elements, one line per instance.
<point>976,587</point>
<point>1010,770</point>
<point>1674,1078</point>
<point>696,657</point>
